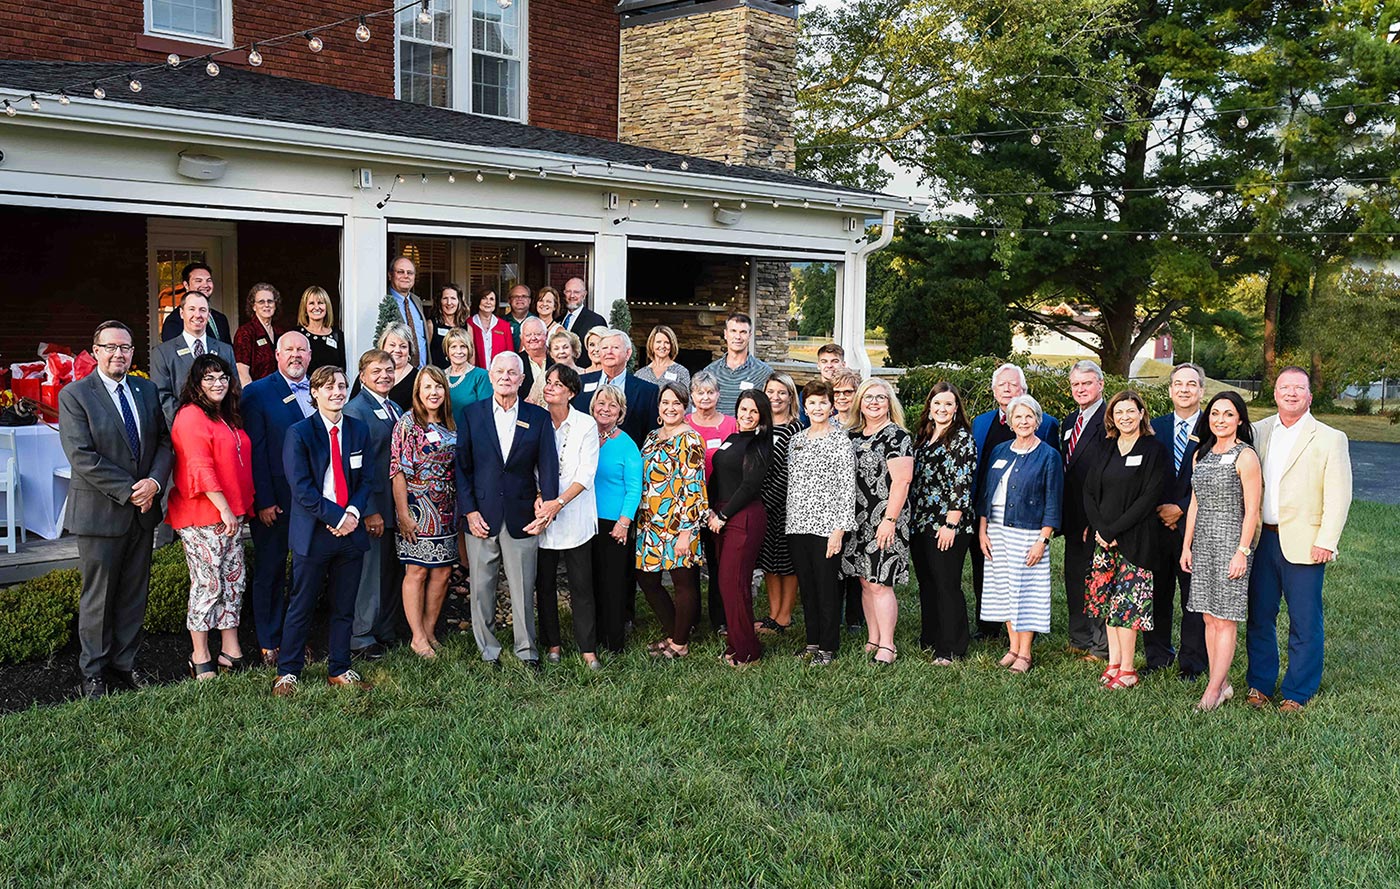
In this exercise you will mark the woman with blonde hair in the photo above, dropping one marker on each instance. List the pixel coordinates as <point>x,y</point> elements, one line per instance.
<point>316,321</point>
<point>661,366</point>
<point>564,347</point>
<point>465,381</point>
<point>395,340</point>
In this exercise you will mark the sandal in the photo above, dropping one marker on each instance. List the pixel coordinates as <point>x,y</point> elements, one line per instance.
<point>1007,659</point>
<point>730,662</point>
<point>889,663</point>
<point>1120,681</point>
<point>673,652</point>
<point>230,664</point>
<point>1016,665</point>
<point>204,671</point>
<point>657,648</point>
<point>871,647</point>
<point>1108,674</point>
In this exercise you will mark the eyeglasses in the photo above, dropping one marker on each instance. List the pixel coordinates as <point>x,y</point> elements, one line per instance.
<point>212,379</point>
<point>875,397</point>
<point>265,302</point>
<point>109,348</point>
<point>845,392</point>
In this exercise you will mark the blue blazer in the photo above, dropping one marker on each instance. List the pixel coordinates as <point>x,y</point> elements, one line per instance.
<point>1178,489</point>
<point>1033,496</point>
<point>269,410</point>
<point>642,399</point>
<point>1049,431</point>
<point>307,455</point>
<point>502,487</point>
<point>380,422</point>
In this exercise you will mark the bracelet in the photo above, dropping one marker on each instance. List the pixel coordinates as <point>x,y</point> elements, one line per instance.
<point>888,519</point>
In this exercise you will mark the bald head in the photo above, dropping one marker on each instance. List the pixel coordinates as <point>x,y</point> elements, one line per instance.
<point>293,355</point>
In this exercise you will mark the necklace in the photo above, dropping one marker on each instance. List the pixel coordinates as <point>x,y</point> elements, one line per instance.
<point>605,437</point>
<point>237,442</point>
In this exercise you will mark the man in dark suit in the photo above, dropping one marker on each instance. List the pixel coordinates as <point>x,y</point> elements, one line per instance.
<point>198,278</point>
<point>378,604</point>
<point>614,349</point>
<point>118,444</point>
<point>271,406</point>
<point>1084,435</point>
<point>990,429</point>
<point>401,304</point>
<point>171,361</point>
<point>503,446</point>
<point>1177,431</point>
<point>330,467</point>
<point>578,317</point>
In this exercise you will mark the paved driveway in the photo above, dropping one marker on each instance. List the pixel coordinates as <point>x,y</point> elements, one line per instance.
<point>1375,467</point>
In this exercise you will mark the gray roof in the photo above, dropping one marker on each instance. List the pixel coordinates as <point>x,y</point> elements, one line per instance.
<point>250,94</point>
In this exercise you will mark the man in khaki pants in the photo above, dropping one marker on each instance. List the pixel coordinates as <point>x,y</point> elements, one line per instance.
<point>1307,493</point>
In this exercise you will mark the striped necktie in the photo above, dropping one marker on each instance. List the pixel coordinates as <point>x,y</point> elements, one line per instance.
<point>1074,436</point>
<point>1179,444</point>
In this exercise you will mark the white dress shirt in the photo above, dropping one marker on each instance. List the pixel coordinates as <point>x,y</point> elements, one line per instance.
<point>571,317</point>
<point>328,480</point>
<point>1281,442</point>
<point>1189,423</point>
<point>576,439</point>
<point>190,340</point>
<point>505,424</point>
<point>112,385</point>
<point>303,397</point>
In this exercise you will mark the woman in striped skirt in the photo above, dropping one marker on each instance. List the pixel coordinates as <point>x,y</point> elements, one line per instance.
<point>1018,513</point>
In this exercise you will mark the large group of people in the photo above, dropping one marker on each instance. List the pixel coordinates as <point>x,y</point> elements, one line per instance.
<point>522,444</point>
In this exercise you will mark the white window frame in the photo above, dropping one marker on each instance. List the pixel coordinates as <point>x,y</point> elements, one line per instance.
<point>227,40</point>
<point>462,53</point>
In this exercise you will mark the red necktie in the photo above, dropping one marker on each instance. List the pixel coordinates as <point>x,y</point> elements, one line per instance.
<point>1074,437</point>
<point>342,487</point>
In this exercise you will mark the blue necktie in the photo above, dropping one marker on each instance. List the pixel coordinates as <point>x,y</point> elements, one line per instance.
<point>133,437</point>
<point>1179,446</point>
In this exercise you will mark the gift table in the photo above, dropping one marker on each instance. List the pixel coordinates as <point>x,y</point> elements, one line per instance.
<point>39,453</point>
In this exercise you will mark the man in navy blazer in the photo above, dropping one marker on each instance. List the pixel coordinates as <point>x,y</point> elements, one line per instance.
<point>1178,432</point>
<point>1083,438</point>
<point>330,467</point>
<point>198,278</point>
<point>271,406</point>
<point>506,458</point>
<point>614,350</point>
<point>578,318</point>
<point>990,429</point>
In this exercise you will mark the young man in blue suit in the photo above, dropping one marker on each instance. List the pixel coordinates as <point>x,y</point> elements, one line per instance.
<point>990,429</point>
<point>614,350</point>
<point>506,458</point>
<point>330,467</point>
<point>1177,431</point>
<point>271,406</point>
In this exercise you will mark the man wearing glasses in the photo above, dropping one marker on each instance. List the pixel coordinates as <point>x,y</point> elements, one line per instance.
<point>117,441</point>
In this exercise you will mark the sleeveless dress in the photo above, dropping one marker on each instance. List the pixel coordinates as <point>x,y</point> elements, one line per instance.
<point>773,557</point>
<point>427,459</point>
<point>1219,520</point>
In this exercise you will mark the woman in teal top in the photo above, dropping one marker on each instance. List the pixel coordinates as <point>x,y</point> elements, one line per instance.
<point>617,488</point>
<point>466,382</point>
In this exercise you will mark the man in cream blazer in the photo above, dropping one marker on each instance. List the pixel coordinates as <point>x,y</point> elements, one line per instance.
<point>1307,493</point>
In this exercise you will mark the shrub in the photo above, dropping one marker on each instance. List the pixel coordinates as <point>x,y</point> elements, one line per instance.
<point>37,616</point>
<point>1363,404</point>
<point>170,590</point>
<point>1048,385</point>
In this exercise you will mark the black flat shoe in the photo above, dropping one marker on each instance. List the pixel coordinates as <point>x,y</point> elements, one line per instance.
<point>131,680</point>
<point>230,664</point>
<point>92,687</point>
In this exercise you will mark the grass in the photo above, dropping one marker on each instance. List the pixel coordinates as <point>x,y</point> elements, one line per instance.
<point>1359,427</point>
<point>689,774</point>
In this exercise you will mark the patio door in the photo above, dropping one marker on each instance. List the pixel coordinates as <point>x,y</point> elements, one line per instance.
<point>171,244</point>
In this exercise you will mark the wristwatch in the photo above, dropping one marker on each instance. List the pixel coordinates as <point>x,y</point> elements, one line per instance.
<point>1045,540</point>
<point>951,526</point>
<point>1244,550</point>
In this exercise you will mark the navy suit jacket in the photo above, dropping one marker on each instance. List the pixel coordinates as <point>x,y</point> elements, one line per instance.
<point>307,455</point>
<point>1178,489</point>
<point>642,398</point>
<point>366,409</point>
<point>1049,432</point>
<point>269,410</point>
<point>1087,453</point>
<point>502,487</point>
<point>587,320</point>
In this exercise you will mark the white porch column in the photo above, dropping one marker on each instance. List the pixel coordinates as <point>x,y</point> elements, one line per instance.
<point>609,273</point>
<point>363,282</point>
<point>850,312</point>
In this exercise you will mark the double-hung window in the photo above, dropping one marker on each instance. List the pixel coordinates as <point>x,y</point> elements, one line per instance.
<point>469,55</point>
<point>205,21</point>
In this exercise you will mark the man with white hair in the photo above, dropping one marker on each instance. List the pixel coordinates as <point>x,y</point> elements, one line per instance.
<point>534,358</point>
<point>990,429</point>
<point>506,458</point>
<point>614,350</point>
<point>1082,444</point>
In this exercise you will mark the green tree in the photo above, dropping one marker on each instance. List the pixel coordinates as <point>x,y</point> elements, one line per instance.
<point>814,298</point>
<point>1353,325</point>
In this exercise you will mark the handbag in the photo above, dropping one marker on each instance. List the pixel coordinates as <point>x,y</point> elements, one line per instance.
<point>24,412</point>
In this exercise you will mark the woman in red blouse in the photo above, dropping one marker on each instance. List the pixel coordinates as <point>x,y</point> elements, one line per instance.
<point>211,495</point>
<point>490,333</point>
<point>255,344</point>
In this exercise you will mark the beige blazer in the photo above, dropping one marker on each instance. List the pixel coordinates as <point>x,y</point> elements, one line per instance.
<point>1315,494</point>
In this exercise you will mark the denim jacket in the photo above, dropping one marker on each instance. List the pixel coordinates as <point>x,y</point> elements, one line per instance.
<point>1034,492</point>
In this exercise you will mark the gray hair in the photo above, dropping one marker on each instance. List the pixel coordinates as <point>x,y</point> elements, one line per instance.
<point>511,357</point>
<point>1086,366</point>
<point>1020,375</point>
<point>534,318</point>
<point>1189,365</point>
<point>704,380</point>
<point>608,333</point>
<point>1025,401</point>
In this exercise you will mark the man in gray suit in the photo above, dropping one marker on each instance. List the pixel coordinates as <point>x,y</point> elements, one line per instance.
<point>118,444</point>
<point>171,361</point>
<point>378,603</point>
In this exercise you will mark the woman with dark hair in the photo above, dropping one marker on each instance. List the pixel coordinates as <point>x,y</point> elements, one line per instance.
<point>448,313</point>
<point>1226,492</point>
<point>945,465</point>
<point>255,344</point>
<point>571,521</point>
<point>491,334</point>
<point>1121,493</point>
<point>547,308</point>
<point>422,457</point>
<point>774,559</point>
<point>672,511</point>
<point>738,520</point>
<point>211,496</point>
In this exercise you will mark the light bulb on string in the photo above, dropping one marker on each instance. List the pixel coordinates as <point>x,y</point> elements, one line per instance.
<point>656,205</point>
<point>1138,238</point>
<point>134,85</point>
<point>647,166</point>
<point>1098,134</point>
<point>1029,200</point>
<point>254,57</point>
<point>399,178</point>
<point>976,144</point>
<point>1035,138</point>
<point>991,202</point>
<point>1174,239</point>
<point>172,60</point>
<point>1074,236</point>
<point>423,179</point>
<point>984,232</point>
<point>10,110</point>
<point>479,177</point>
<point>1013,233</point>
<point>98,92</point>
<point>63,97</point>
<point>1219,193</point>
<point>1273,191</point>
<point>1246,239</point>
<point>1045,234</point>
<point>685,165</point>
<point>543,173</point>
<point>362,31</point>
<point>1278,237</point>
<point>1350,117</point>
<point>1103,237</point>
<point>424,16</point>
<point>451,178</point>
<point>34,102</point>
<point>685,205</point>
<point>743,205</point>
<point>504,4</point>
<point>806,204</point>
<point>1243,122</point>
<point>573,169</point>
<point>511,175</point>
<point>716,205</point>
<point>1351,239</point>
<point>314,43</point>
<point>212,68</point>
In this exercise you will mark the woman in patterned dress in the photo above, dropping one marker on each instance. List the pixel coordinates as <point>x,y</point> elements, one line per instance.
<point>1226,492</point>
<point>878,551</point>
<point>774,560</point>
<point>945,465</point>
<point>674,506</point>
<point>422,454</point>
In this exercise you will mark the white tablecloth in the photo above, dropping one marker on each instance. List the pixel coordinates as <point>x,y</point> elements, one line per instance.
<point>39,454</point>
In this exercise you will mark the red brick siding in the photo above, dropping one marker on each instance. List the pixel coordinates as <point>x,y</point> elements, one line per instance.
<point>573,66</point>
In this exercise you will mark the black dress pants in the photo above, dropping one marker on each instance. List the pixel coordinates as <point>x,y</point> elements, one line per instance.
<point>819,584</point>
<point>612,585</point>
<point>942,605</point>
<point>1191,656</point>
<point>578,563</point>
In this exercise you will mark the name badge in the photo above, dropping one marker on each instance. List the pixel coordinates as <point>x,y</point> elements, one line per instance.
<point>183,352</point>
<point>290,398</point>
<point>262,341</point>
<point>444,331</point>
<point>522,424</point>
<point>382,414</point>
<point>1227,459</point>
<point>330,341</point>
<point>725,446</point>
<point>1134,460</point>
<point>712,443</point>
<point>357,461</point>
<point>590,387</point>
<point>1000,464</point>
<point>745,384</point>
<point>668,375</point>
<point>1193,438</point>
<point>433,436</point>
<point>1068,433</point>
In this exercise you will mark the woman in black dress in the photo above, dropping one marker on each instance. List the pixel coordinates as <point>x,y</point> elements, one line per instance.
<point>774,559</point>
<point>316,319</point>
<point>448,313</point>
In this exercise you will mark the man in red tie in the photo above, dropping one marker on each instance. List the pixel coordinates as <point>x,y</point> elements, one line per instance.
<point>330,463</point>
<point>1084,434</point>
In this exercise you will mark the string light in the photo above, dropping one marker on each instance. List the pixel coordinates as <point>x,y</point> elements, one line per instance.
<point>212,69</point>
<point>452,178</point>
<point>1243,122</point>
<point>685,205</point>
<point>34,102</point>
<point>172,60</point>
<point>685,165</point>
<point>98,92</point>
<point>976,144</point>
<point>479,177</point>
<point>362,32</point>
<point>1035,138</point>
<point>254,57</point>
<point>10,110</point>
<point>511,175</point>
<point>134,85</point>
<point>63,97</point>
<point>314,43</point>
<point>424,16</point>
<point>1350,117</point>
<point>1098,134</point>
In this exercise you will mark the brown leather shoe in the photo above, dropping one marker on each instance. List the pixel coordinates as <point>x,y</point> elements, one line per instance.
<point>349,679</point>
<point>1092,659</point>
<point>285,686</point>
<point>1257,699</point>
<point>1290,706</point>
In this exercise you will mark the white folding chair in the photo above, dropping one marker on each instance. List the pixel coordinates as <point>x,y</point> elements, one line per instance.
<point>63,472</point>
<point>9,487</point>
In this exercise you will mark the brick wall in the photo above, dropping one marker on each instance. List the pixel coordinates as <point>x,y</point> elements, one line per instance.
<point>263,256</point>
<point>573,66</point>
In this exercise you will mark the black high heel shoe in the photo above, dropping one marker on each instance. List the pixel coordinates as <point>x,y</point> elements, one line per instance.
<point>201,672</point>
<point>234,664</point>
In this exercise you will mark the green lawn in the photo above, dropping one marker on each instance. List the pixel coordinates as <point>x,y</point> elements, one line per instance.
<point>689,774</point>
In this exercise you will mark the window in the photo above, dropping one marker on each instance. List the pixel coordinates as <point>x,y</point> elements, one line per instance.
<point>490,80</point>
<point>207,21</point>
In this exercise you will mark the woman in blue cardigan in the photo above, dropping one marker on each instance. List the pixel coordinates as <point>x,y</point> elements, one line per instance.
<point>1018,513</point>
